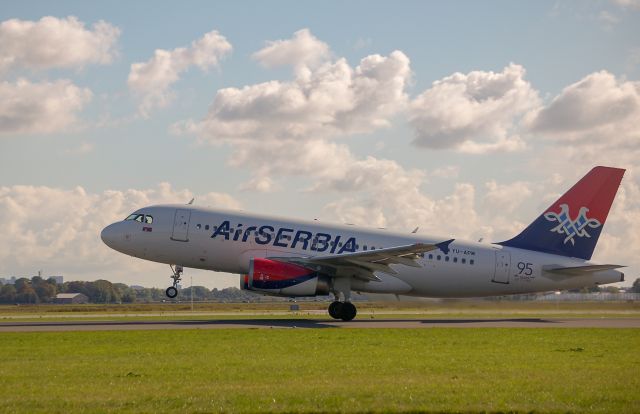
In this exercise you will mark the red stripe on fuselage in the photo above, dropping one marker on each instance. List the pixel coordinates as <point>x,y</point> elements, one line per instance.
<point>278,270</point>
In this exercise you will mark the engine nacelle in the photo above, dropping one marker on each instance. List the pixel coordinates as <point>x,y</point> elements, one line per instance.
<point>283,279</point>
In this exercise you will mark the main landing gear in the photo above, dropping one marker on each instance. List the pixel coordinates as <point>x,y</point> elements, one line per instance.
<point>172,291</point>
<point>342,310</point>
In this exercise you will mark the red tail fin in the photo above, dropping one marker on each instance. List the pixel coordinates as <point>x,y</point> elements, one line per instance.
<point>571,226</point>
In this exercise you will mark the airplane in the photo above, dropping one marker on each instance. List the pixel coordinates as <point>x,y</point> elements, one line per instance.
<point>296,258</point>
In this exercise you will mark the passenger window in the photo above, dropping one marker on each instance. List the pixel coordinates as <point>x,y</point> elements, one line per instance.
<point>455,260</point>
<point>430,257</point>
<point>471,262</point>
<point>206,227</point>
<point>446,258</point>
<point>148,219</point>
<point>438,257</point>
<point>198,226</point>
<point>364,247</point>
<point>463,261</point>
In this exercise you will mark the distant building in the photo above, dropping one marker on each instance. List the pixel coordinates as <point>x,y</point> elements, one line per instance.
<point>63,298</point>
<point>59,279</point>
<point>8,281</point>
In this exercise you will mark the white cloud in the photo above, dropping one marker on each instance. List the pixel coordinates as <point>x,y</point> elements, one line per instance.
<point>608,19</point>
<point>303,49</point>
<point>591,122</point>
<point>632,4</point>
<point>83,148</point>
<point>402,206</point>
<point>599,107</point>
<point>449,171</point>
<point>55,43</point>
<point>327,100</point>
<point>478,112</point>
<point>320,159</point>
<point>621,234</point>
<point>506,198</point>
<point>285,128</point>
<point>151,81</point>
<point>59,230</point>
<point>261,184</point>
<point>47,107</point>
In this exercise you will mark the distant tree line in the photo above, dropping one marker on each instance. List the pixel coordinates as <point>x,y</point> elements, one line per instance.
<point>38,290</point>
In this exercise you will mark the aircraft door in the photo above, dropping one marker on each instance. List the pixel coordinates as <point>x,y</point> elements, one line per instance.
<point>503,263</point>
<point>181,225</point>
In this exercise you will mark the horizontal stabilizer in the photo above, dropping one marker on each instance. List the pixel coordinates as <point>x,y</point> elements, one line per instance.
<point>581,270</point>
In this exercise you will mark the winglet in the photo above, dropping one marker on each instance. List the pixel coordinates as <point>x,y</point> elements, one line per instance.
<point>444,246</point>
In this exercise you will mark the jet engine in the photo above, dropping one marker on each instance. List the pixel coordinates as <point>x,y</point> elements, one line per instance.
<point>283,279</point>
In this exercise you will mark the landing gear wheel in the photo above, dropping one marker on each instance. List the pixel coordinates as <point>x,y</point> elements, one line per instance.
<point>172,291</point>
<point>348,311</point>
<point>335,310</point>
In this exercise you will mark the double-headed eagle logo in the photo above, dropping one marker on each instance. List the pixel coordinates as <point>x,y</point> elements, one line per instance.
<point>572,228</point>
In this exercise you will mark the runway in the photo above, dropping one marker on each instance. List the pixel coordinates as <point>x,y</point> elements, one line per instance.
<point>114,325</point>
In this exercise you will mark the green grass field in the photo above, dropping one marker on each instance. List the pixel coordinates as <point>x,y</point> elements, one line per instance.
<point>410,310</point>
<point>338,370</point>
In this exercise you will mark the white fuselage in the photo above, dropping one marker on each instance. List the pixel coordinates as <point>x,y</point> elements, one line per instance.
<point>199,238</point>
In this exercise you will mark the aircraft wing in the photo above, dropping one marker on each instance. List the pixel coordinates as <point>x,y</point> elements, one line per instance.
<point>581,270</point>
<point>363,264</point>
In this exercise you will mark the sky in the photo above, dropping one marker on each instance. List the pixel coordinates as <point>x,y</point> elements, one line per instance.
<point>463,118</point>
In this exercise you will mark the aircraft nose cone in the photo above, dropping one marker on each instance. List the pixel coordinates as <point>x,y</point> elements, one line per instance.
<point>109,235</point>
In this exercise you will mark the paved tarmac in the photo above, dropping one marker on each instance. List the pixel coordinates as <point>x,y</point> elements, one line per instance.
<point>106,325</point>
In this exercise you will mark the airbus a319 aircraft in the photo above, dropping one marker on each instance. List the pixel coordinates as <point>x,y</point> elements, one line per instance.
<point>292,258</point>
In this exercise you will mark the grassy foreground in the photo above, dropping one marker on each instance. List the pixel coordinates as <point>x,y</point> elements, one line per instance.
<point>432,370</point>
<point>277,310</point>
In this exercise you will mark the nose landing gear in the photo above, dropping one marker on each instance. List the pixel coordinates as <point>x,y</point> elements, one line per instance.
<point>172,291</point>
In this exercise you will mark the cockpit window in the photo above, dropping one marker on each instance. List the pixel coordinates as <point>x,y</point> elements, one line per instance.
<point>148,219</point>
<point>136,217</point>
